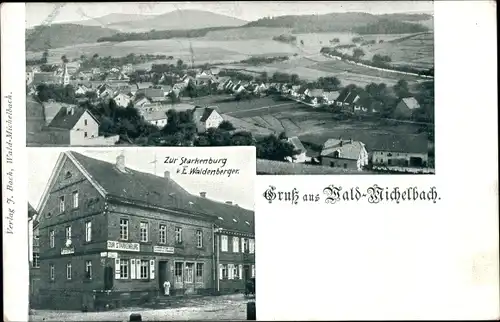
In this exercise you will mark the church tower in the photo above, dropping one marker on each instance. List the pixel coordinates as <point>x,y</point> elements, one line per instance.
<point>65,75</point>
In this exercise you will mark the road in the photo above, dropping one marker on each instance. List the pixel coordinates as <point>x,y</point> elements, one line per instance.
<point>235,113</point>
<point>228,307</point>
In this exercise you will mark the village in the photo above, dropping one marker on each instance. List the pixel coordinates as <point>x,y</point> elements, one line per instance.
<point>98,102</point>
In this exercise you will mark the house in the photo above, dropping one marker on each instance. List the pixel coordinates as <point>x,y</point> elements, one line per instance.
<point>300,156</point>
<point>105,91</point>
<point>400,150</point>
<point>123,89</point>
<point>95,70</point>
<point>203,79</point>
<point>315,95</point>
<point>406,107</point>
<point>76,126</point>
<point>128,68</point>
<point>33,255</point>
<point>301,92</point>
<point>346,154</point>
<point>29,75</point>
<point>139,103</point>
<point>122,100</point>
<point>260,89</point>
<point>156,117</point>
<point>347,100</point>
<point>330,97</point>
<point>51,108</point>
<point>238,88</point>
<point>82,90</point>
<point>153,94</point>
<point>206,118</point>
<point>122,233</point>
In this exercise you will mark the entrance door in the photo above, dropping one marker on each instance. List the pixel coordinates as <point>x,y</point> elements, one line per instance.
<point>246,273</point>
<point>416,162</point>
<point>189,278</point>
<point>162,273</point>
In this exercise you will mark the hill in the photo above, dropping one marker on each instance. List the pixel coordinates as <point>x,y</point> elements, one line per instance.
<point>179,20</point>
<point>387,26</point>
<point>113,18</point>
<point>60,35</point>
<point>344,22</point>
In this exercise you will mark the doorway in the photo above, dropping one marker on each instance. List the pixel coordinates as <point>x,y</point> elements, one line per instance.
<point>162,273</point>
<point>246,273</point>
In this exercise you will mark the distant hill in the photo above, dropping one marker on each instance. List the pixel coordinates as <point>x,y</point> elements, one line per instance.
<point>339,22</point>
<point>61,35</point>
<point>113,18</point>
<point>387,26</point>
<point>178,20</point>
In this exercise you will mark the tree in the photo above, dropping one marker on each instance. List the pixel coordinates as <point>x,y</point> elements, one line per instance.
<point>64,59</point>
<point>357,53</point>
<point>180,63</point>
<point>272,148</point>
<point>242,138</point>
<point>401,89</point>
<point>173,97</point>
<point>226,126</point>
<point>95,56</point>
<point>282,136</point>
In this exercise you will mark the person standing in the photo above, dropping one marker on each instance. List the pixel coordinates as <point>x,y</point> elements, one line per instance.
<point>166,287</point>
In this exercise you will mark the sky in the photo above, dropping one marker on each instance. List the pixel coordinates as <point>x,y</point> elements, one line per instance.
<point>36,13</point>
<point>237,188</point>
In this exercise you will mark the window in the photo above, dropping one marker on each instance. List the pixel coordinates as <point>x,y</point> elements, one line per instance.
<point>163,234</point>
<point>85,122</point>
<point>36,240</point>
<point>178,272</point>
<point>236,244</point>
<point>61,204</point>
<point>244,245</point>
<point>199,238</point>
<point>88,231</point>
<point>223,271</point>
<point>124,229</point>
<point>88,270</point>
<point>68,175</point>
<point>189,272</point>
<point>235,272</point>
<point>144,269</point>
<point>36,260</point>
<point>332,164</point>
<point>52,272</point>
<point>144,231</point>
<point>68,232</point>
<point>251,245</point>
<point>52,239</point>
<point>75,199</point>
<point>85,134</point>
<point>124,265</point>
<point>178,235</point>
<point>345,165</point>
<point>253,270</point>
<point>68,271</point>
<point>199,272</point>
<point>230,271</point>
<point>223,243</point>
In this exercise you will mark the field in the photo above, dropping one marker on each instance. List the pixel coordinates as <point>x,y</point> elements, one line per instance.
<point>264,116</point>
<point>412,50</point>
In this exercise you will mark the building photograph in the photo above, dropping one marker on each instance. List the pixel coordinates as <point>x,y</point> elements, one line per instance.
<point>141,227</point>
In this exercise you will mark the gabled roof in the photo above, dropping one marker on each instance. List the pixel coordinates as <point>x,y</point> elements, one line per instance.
<point>331,96</point>
<point>201,114</point>
<point>302,90</point>
<point>67,117</point>
<point>315,93</point>
<point>155,115</point>
<point>411,102</point>
<point>151,92</point>
<point>152,190</point>
<point>295,141</point>
<point>410,143</point>
<point>347,149</point>
<point>31,211</point>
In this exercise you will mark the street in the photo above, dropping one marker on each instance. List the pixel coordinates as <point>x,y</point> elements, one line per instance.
<point>226,307</point>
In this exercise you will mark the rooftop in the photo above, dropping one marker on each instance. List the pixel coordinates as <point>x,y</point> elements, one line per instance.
<point>163,192</point>
<point>347,149</point>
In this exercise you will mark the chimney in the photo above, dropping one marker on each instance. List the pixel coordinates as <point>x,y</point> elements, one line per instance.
<point>120,162</point>
<point>229,202</point>
<point>341,143</point>
<point>166,174</point>
<point>203,194</point>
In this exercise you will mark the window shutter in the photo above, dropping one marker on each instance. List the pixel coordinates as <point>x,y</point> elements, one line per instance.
<point>117,269</point>
<point>132,270</point>
<point>240,271</point>
<point>138,267</point>
<point>221,271</point>
<point>152,269</point>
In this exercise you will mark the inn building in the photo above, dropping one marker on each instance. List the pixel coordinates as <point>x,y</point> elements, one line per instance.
<point>111,235</point>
